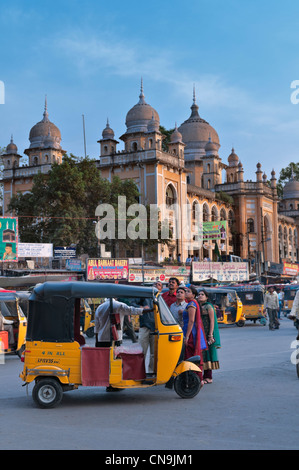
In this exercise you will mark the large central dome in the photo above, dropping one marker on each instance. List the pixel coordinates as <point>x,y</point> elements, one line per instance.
<point>196,133</point>
<point>140,115</point>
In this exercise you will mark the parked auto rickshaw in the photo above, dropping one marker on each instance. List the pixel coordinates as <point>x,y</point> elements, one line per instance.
<point>57,359</point>
<point>290,291</point>
<point>87,326</point>
<point>252,298</point>
<point>12,311</point>
<point>228,306</point>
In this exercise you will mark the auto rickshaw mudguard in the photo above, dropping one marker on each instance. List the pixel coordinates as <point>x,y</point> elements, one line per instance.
<point>187,365</point>
<point>45,371</point>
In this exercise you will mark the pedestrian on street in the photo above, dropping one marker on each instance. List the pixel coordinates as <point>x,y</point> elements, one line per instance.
<point>170,295</point>
<point>179,305</point>
<point>271,304</point>
<point>210,325</point>
<point>194,338</point>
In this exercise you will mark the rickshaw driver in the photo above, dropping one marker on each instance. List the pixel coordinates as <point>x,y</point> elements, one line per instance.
<point>103,321</point>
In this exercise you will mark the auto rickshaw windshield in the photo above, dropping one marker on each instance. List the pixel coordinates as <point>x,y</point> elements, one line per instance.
<point>9,309</point>
<point>165,314</point>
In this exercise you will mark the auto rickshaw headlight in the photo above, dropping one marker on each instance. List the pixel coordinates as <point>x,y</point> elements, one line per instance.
<point>174,337</point>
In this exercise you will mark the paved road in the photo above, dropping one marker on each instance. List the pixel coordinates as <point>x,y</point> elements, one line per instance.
<point>250,405</point>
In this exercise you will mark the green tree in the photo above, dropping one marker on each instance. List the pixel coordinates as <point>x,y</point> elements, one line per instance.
<point>61,206</point>
<point>165,137</point>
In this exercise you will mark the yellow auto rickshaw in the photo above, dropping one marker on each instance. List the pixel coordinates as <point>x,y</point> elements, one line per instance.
<point>227,304</point>
<point>14,317</point>
<point>252,298</point>
<point>289,291</point>
<point>57,359</point>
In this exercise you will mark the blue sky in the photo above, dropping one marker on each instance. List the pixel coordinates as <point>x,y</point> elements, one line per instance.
<point>88,58</point>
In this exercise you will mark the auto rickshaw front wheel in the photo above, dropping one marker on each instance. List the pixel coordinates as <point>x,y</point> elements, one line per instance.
<point>47,392</point>
<point>187,384</point>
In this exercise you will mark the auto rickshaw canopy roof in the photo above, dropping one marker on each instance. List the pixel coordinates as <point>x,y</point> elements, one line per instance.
<point>81,289</point>
<point>54,307</point>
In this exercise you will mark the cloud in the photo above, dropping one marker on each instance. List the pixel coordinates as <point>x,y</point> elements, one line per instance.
<point>120,58</point>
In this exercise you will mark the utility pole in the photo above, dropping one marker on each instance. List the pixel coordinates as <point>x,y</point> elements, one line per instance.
<point>84,135</point>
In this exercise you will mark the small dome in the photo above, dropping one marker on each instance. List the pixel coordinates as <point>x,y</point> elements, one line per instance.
<point>153,125</point>
<point>11,148</point>
<point>291,188</point>
<point>40,132</point>
<point>176,136</point>
<point>210,146</point>
<point>108,133</point>
<point>140,115</point>
<point>233,158</point>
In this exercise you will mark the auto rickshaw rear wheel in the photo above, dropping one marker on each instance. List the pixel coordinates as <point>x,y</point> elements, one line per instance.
<point>47,392</point>
<point>187,384</point>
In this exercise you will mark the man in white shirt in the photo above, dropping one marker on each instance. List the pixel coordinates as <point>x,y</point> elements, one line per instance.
<point>271,303</point>
<point>102,327</point>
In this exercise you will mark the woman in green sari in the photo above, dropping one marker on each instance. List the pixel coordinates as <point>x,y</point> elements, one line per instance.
<point>210,325</point>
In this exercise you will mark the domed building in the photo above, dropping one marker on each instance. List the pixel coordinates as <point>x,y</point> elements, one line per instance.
<point>142,120</point>
<point>183,180</point>
<point>44,138</point>
<point>43,151</point>
<point>196,133</point>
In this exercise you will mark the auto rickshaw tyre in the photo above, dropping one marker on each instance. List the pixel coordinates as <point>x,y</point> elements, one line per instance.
<point>47,392</point>
<point>187,384</point>
<point>240,323</point>
<point>90,332</point>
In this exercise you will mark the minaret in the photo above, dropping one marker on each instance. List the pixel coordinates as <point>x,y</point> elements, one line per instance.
<point>108,142</point>
<point>11,158</point>
<point>176,144</point>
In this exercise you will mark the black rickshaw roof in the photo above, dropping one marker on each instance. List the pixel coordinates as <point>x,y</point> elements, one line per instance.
<point>82,289</point>
<point>216,290</point>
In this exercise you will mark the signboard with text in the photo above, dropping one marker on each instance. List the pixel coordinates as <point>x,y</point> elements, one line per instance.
<point>35,250</point>
<point>9,239</point>
<point>101,269</point>
<point>215,230</point>
<point>222,272</point>
<point>290,269</point>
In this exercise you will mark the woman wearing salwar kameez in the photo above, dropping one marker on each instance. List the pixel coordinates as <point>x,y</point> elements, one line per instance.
<point>210,325</point>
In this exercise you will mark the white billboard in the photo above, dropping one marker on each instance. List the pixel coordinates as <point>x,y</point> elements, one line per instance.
<point>35,250</point>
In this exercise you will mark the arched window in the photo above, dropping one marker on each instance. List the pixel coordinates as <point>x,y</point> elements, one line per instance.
<point>222,214</point>
<point>195,211</point>
<point>250,225</point>
<point>205,213</point>
<point>170,195</point>
<point>214,214</point>
<point>134,146</point>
